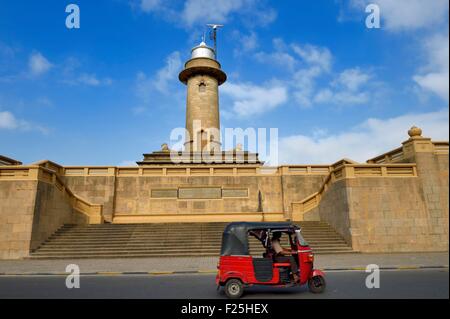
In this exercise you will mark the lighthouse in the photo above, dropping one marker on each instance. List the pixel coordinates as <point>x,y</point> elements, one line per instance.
<point>202,75</point>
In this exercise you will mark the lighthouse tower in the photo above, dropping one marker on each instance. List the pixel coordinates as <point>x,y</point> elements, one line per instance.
<point>202,75</point>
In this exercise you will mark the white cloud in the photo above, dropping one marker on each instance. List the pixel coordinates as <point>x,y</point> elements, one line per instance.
<point>218,11</point>
<point>38,64</point>
<point>314,55</point>
<point>304,81</point>
<point>169,72</point>
<point>93,80</point>
<point>347,89</point>
<point>435,75</point>
<point>403,15</point>
<point>345,98</point>
<point>277,58</point>
<point>318,61</point>
<point>150,5</point>
<point>280,56</point>
<point>430,17</point>
<point>435,82</point>
<point>350,87</point>
<point>247,42</point>
<point>193,12</point>
<point>250,99</point>
<point>72,75</point>
<point>9,122</point>
<point>364,141</point>
<point>161,81</point>
<point>352,79</point>
<point>314,61</point>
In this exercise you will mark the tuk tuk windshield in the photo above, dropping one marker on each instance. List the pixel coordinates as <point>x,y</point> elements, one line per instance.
<point>300,238</point>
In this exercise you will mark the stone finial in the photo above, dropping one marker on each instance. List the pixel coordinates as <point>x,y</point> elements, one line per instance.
<point>165,147</point>
<point>415,132</point>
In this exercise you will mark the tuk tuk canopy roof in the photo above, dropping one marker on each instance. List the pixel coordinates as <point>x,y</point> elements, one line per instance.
<point>235,235</point>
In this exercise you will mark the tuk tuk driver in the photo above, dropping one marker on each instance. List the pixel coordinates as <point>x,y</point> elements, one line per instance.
<point>284,255</point>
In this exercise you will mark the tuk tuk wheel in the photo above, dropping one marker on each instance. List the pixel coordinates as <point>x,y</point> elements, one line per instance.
<point>317,284</point>
<point>234,288</point>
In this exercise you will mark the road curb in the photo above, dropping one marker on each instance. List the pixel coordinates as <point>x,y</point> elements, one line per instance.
<point>205,271</point>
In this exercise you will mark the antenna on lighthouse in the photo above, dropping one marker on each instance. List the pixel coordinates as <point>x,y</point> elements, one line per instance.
<point>213,34</point>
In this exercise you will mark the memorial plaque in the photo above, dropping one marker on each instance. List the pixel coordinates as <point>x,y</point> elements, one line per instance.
<point>164,193</point>
<point>233,192</point>
<point>200,193</point>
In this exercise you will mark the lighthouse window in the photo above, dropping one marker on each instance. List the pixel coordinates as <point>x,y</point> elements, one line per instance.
<point>202,87</point>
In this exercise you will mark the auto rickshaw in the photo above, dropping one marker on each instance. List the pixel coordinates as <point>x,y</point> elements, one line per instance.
<point>238,269</point>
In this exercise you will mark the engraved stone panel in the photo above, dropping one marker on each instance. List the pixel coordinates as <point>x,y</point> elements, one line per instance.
<point>200,193</point>
<point>233,192</point>
<point>164,193</point>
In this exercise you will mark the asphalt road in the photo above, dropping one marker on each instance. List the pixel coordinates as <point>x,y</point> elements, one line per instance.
<point>433,283</point>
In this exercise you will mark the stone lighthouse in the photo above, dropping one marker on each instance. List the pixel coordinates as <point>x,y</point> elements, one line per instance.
<point>202,75</point>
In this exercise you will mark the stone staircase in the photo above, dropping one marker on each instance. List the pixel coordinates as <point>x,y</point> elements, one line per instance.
<point>165,240</point>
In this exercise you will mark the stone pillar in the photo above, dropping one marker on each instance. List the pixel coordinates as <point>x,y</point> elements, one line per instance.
<point>432,170</point>
<point>202,75</point>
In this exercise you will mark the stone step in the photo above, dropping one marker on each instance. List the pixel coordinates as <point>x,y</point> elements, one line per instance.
<point>173,233</point>
<point>62,241</point>
<point>175,225</point>
<point>180,233</point>
<point>166,240</point>
<point>56,257</point>
<point>158,254</point>
<point>162,229</point>
<point>168,226</point>
<point>309,239</point>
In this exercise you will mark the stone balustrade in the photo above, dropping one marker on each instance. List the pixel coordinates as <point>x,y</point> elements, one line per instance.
<point>213,170</point>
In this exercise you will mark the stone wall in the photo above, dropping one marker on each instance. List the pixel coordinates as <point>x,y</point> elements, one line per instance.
<point>298,187</point>
<point>391,215</point>
<point>17,201</point>
<point>433,176</point>
<point>334,209</point>
<point>384,215</point>
<point>130,191</point>
<point>134,195</point>
<point>52,210</point>
<point>95,189</point>
<point>34,203</point>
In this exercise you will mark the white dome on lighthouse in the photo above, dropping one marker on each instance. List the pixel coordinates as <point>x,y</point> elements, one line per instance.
<point>203,51</point>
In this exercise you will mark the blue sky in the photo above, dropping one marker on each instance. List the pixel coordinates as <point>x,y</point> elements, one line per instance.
<point>109,91</point>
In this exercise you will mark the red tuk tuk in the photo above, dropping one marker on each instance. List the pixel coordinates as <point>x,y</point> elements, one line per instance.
<point>238,269</point>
